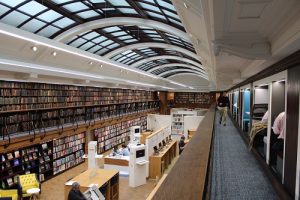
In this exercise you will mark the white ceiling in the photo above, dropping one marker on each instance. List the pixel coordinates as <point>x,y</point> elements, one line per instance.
<point>239,38</point>
<point>234,39</point>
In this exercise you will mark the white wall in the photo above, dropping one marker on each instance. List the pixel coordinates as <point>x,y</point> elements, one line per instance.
<point>261,96</point>
<point>191,122</point>
<point>155,122</point>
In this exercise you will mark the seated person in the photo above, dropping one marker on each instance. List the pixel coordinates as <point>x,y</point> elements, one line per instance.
<point>115,151</point>
<point>75,193</point>
<point>181,144</point>
<point>125,150</point>
<point>257,127</point>
<point>279,129</point>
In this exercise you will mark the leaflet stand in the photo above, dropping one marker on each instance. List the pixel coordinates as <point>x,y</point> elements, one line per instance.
<point>135,135</point>
<point>92,152</point>
<point>138,165</point>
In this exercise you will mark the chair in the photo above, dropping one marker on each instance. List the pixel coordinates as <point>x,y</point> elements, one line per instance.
<point>26,182</point>
<point>8,194</point>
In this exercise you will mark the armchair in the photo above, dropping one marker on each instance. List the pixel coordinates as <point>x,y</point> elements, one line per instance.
<point>26,182</point>
<point>8,194</point>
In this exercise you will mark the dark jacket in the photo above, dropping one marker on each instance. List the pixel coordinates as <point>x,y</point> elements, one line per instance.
<point>75,195</point>
<point>223,101</point>
<point>181,144</point>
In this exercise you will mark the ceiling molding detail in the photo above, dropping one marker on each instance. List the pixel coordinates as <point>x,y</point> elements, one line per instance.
<point>182,70</point>
<point>152,45</point>
<point>172,65</point>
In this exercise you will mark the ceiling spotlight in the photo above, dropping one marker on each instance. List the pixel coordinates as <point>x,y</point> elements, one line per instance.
<point>54,53</point>
<point>127,72</point>
<point>185,5</point>
<point>121,70</point>
<point>34,48</point>
<point>101,65</point>
<point>90,63</point>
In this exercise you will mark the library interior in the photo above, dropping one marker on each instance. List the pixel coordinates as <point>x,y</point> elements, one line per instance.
<point>149,99</point>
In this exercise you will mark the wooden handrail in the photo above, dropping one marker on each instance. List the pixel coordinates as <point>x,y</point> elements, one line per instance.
<point>187,179</point>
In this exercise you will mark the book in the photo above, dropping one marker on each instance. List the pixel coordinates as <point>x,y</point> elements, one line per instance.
<point>17,154</point>
<point>34,156</point>
<point>16,179</point>
<point>30,157</point>
<point>16,162</point>
<point>3,158</point>
<point>9,182</point>
<point>10,172</point>
<point>41,160</point>
<point>7,164</point>
<point>9,156</point>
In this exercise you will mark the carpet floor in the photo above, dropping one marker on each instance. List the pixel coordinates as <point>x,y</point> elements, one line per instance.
<point>236,172</point>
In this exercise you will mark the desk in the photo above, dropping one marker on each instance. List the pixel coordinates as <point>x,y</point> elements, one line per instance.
<point>158,163</point>
<point>191,133</point>
<point>100,177</point>
<point>144,135</point>
<point>120,163</point>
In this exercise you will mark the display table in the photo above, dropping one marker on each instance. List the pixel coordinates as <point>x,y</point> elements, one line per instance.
<point>34,192</point>
<point>191,132</point>
<point>144,135</point>
<point>99,160</point>
<point>160,162</point>
<point>120,163</point>
<point>106,180</point>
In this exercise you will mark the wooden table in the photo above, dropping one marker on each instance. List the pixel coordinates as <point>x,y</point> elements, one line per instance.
<point>158,163</point>
<point>144,135</point>
<point>100,177</point>
<point>191,132</point>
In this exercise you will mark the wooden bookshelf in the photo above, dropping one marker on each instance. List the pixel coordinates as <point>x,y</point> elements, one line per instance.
<point>192,100</point>
<point>45,160</point>
<point>37,107</point>
<point>117,133</point>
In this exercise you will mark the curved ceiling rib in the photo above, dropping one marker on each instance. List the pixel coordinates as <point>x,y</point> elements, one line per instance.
<point>182,70</point>
<point>151,45</point>
<point>167,57</point>
<point>172,65</point>
<point>115,21</point>
<point>182,73</point>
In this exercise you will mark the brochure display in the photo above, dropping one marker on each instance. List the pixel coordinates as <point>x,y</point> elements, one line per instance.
<point>138,165</point>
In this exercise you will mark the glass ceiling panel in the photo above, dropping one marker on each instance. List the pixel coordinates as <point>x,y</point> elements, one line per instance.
<point>149,7</point>
<point>119,3</point>
<point>171,14</point>
<point>75,7</point>
<point>32,8</point>
<point>154,15</point>
<point>49,16</point>
<point>13,3</point>
<point>3,9</point>
<point>33,25</point>
<point>127,11</point>
<point>165,4</point>
<point>64,22</point>
<point>48,31</point>
<point>14,18</point>
<point>87,14</point>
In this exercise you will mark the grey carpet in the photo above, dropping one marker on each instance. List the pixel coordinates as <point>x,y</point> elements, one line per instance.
<point>236,172</point>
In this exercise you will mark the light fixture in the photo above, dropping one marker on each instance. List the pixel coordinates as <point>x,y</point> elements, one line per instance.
<point>90,63</point>
<point>53,53</point>
<point>101,65</point>
<point>185,5</point>
<point>121,70</point>
<point>198,41</point>
<point>34,48</point>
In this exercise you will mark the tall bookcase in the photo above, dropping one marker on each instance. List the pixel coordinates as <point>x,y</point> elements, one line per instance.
<point>115,134</point>
<point>45,160</point>
<point>32,108</point>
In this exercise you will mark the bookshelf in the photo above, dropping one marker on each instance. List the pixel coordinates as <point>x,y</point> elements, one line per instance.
<point>193,98</point>
<point>27,107</point>
<point>177,117</point>
<point>46,159</point>
<point>68,152</point>
<point>109,136</point>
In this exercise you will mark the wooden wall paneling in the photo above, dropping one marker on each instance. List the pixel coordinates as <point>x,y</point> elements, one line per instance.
<point>251,104</point>
<point>163,102</point>
<point>292,120</point>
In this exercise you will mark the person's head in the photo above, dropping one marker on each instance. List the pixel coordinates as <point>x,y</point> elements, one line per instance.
<point>75,186</point>
<point>182,138</point>
<point>124,146</point>
<point>115,148</point>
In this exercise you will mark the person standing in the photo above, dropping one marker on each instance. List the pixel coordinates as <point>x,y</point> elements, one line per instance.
<point>181,144</point>
<point>223,106</point>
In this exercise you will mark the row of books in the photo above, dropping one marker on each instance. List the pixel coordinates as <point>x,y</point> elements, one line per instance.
<point>68,145</point>
<point>67,151</point>
<point>67,165</point>
<point>71,138</point>
<point>111,135</point>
